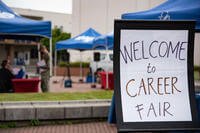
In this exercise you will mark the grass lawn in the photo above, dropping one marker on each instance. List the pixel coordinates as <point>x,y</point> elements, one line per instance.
<point>107,94</point>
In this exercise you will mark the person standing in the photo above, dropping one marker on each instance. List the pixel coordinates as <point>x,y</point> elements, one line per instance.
<point>6,77</point>
<point>44,69</point>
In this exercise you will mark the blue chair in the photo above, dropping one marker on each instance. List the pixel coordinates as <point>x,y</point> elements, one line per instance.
<point>89,79</point>
<point>20,74</point>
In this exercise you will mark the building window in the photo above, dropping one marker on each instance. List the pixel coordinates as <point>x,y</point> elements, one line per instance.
<point>34,53</point>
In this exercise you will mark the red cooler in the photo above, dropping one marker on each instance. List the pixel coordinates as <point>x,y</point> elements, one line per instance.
<point>26,85</point>
<point>110,80</point>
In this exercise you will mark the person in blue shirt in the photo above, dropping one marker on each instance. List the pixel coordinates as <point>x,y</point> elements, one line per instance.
<point>21,73</point>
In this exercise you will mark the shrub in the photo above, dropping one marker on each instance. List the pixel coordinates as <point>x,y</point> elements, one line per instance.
<point>74,64</point>
<point>196,68</point>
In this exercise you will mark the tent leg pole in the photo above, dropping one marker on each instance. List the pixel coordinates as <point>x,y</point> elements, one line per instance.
<point>93,78</point>
<point>81,74</point>
<point>107,78</point>
<point>81,71</point>
<point>50,61</point>
<point>39,56</point>
<point>55,63</point>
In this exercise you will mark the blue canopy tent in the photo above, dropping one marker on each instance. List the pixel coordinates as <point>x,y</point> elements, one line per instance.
<point>170,10</point>
<point>14,26</point>
<point>104,41</point>
<point>84,41</point>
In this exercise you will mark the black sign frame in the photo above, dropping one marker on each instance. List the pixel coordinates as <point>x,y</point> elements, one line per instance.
<point>155,126</point>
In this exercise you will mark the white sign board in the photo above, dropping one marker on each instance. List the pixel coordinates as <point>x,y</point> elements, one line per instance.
<point>153,69</point>
<point>153,75</point>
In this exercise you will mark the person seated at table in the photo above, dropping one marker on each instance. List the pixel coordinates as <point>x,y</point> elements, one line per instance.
<point>21,73</point>
<point>6,77</point>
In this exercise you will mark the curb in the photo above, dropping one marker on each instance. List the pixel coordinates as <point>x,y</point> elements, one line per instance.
<point>54,110</point>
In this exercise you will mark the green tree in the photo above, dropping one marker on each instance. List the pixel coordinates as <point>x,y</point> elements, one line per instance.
<point>57,35</point>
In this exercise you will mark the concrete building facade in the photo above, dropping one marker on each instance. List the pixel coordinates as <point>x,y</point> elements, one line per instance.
<point>100,14</point>
<point>60,20</point>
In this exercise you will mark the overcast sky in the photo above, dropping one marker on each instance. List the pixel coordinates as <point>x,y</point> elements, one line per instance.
<point>61,6</point>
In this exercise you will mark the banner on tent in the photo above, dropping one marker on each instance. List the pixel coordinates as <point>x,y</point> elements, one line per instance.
<point>154,75</point>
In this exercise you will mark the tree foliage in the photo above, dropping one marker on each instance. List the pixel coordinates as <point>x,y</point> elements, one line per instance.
<point>57,35</point>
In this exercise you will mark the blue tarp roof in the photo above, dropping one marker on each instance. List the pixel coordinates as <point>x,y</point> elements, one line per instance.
<point>13,24</point>
<point>84,41</point>
<point>170,10</point>
<point>104,41</point>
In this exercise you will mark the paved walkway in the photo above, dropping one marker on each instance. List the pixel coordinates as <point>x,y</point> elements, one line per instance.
<point>57,85</point>
<point>96,127</point>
